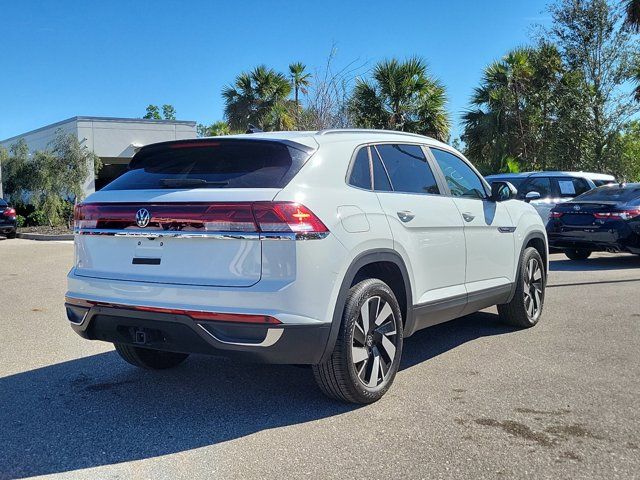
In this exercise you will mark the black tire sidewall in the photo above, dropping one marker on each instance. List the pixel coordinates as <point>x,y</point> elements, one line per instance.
<point>358,295</point>
<point>528,254</point>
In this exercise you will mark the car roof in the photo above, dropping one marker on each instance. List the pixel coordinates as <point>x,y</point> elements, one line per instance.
<point>315,139</point>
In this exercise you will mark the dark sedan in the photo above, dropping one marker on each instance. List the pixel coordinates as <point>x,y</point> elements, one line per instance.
<point>604,219</point>
<point>7,220</point>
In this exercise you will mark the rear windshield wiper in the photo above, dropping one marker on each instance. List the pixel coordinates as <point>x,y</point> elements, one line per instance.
<point>190,183</point>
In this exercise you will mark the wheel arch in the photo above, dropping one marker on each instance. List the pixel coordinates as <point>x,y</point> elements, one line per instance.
<point>363,266</point>
<point>537,240</point>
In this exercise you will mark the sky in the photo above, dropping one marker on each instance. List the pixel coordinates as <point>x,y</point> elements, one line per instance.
<point>113,58</point>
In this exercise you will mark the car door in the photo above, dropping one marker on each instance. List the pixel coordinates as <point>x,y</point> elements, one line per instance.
<point>488,229</point>
<point>426,226</point>
<point>549,196</point>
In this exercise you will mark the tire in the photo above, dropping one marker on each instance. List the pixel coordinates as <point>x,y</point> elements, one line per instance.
<point>525,308</point>
<point>11,235</point>
<point>577,253</point>
<point>364,346</point>
<point>149,359</point>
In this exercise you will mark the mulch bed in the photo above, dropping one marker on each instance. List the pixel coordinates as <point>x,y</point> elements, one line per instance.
<point>46,230</point>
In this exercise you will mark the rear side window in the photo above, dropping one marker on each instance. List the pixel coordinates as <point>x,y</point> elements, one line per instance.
<point>220,164</point>
<point>542,185</point>
<point>461,179</point>
<point>408,168</point>
<point>360,171</point>
<point>572,187</point>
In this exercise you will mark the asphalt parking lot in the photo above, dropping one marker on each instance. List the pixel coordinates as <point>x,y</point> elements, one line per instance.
<point>473,399</point>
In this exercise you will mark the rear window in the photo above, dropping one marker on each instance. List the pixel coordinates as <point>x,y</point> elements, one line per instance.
<point>221,164</point>
<point>3,203</point>
<point>611,193</point>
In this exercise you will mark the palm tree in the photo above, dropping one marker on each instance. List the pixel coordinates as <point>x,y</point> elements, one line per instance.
<point>401,96</point>
<point>300,80</point>
<point>633,20</point>
<point>633,14</point>
<point>498,125</point>
<point>259,97</point>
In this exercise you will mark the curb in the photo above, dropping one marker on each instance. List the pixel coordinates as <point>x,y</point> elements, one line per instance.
<point>43,237</point>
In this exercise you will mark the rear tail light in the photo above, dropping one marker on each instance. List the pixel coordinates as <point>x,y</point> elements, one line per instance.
<point>258,217</point>
<point>555,214</point>
<point>621,214</point>
<point>9,212</point>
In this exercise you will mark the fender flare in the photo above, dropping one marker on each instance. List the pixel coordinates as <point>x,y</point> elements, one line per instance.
<point>530,236</point>
<point>366,258</point>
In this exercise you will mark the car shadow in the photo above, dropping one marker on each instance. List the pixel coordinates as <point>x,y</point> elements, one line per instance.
<point>609,262</point>
<point>98,410</point>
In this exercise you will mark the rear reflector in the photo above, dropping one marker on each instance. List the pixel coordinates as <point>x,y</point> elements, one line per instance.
<point>194,314</point>
<point>262,217</point>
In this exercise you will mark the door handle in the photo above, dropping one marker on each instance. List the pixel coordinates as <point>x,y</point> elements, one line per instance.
<point>405,216</point>
<point>468,217</point>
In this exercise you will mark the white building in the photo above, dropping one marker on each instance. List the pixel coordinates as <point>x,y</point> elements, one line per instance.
<point>114,140</point>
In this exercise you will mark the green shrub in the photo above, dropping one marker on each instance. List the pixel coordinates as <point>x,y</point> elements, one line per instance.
<point>20,220</point>
<point>37,218</point>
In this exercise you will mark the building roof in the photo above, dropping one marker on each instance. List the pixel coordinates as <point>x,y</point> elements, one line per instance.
<point>101,119</point>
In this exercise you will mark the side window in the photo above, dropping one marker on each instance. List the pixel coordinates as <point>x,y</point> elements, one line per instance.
<point>380,178</point>
<point>462,180</point>
<point>360,173</point>
<point>408,168</point>
<point>542,185</point>
<point>572,187</point>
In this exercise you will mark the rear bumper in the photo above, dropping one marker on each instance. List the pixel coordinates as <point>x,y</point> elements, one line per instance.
<point>7,226</point>
<point>290,344</point>
<point>597,240</point>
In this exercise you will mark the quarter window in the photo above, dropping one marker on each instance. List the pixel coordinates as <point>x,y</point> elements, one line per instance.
<point>380,178</point>
<point>461,179</point>
<point>360,171</point>
<point>408,169</point>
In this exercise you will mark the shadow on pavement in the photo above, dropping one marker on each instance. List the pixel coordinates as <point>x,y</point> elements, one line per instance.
<point>98,410</point>
<point>613,262</point>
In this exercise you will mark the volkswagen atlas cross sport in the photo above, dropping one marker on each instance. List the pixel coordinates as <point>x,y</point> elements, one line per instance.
<point>320,248</point>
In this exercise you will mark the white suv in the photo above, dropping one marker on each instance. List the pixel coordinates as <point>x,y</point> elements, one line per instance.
<point>322,248</point>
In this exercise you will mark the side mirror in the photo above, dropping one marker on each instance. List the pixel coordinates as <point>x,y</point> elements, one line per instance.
<point>532,196</point>
<point>502,191</point>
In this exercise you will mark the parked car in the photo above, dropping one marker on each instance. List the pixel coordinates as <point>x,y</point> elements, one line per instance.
<point>599,179</point>
<point>544,190</point>
<point>322,248</point>
<point>604,219</point>
<point>8,223</point>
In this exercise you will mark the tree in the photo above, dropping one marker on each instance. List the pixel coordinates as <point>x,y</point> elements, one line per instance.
<point>259,97</point>
<point>216,129</point>
<point>300,80</point>
<point>632,8</point>
<point>513,110</point>
<point>593,40</point>
<point>153,113</point>
<point>401,96</point>
<point>50,179</point>
<point>168,112</point>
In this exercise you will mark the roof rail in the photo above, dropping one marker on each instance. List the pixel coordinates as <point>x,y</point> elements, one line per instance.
<point>331,131</point>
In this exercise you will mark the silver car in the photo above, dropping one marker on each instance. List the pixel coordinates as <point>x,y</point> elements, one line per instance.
<point>544,190</point>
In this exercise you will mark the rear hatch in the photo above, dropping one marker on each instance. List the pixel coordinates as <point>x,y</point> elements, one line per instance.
<point>187,213</point>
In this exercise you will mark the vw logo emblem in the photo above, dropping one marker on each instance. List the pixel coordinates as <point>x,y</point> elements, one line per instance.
<point>143,217</point>
<point>576,207</point>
